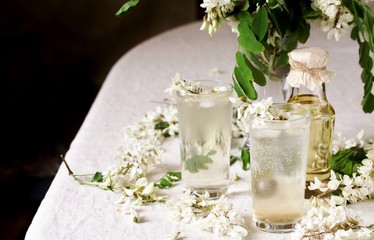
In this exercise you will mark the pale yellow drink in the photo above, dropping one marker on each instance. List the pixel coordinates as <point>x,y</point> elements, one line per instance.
<point>205,137</point>
<point>321,135</point>
<point>278,154</point>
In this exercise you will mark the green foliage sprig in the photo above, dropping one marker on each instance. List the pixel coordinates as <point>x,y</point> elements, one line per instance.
<point>347,161</point>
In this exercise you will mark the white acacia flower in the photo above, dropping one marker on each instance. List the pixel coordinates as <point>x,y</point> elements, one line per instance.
<point>216,13</point>
<point>128,208</point>
<point>318,185</point>
<point>336,19</point>
<point>334,183</point>
<point>336,200</point>
<point>174,236</point>
<point>336,33</point>
<point>370,156</point>
<point>174,210</point>
<point>221,226</point>
<point>216,216</point>
<point>237,232</point>
<point>187,214</point>
<point>341,142</point>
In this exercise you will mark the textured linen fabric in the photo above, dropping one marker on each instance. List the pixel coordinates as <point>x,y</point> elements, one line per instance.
<point>135,85</point>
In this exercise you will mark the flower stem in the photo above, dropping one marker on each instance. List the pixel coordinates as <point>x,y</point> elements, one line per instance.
<point>66,164</point>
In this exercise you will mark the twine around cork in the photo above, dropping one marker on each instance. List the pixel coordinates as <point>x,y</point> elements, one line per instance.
<point>308,68</point>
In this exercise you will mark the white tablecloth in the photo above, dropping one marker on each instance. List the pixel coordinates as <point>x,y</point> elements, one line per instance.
<point>133,86</point>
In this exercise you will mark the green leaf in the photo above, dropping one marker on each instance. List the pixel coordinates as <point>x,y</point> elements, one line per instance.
<point>245,17</point>
<point>273,4</point>
<point>283,4</point>
<point>245,84</point>
<point>354,33</point>
<point>241,61</point>
<point>233,159</point>
<point>177,175</point>
<point>211,152</point>
<point>263,68</point>
<point>260,23</point>
<point>364,52</point>
<point>98,177</point>
<point>303,31</point>
<point>197,163</point>
<point>369,23</point>
<point>127,7</point>
<point>276,20</point>
<point>168,180</point>
<point>368,103</point>
<point>369,63</point>
<point>247,39</point>
<point>237,88</point>
<point>245,156</point>
<point>289,42</point>
<point>161,125</point>
<point>312,14</point>
<point>258,76</point>
<point>367,78</point>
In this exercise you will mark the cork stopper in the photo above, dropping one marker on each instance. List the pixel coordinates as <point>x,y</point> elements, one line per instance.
<point>308,67</point>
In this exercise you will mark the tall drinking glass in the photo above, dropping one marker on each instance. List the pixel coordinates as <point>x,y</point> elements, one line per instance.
<point>278,154</point>
<point>205,137</point>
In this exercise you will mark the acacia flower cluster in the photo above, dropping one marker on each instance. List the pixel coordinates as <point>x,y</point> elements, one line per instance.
<point>335,19</point>
<point>142,192</point>
<point>183,86</point>
<point>260,109</point>
<point>361,140</point>
<point>216,13</point>
<point>140,151</point>
<point>217,216</point>
<point>327,219</point>
<point>141,148</point>
<point>359,187</point>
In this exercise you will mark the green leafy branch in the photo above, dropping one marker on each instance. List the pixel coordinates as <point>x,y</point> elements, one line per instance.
<point>265,38</point>
<point>363,33</point>
<point>97,179</point>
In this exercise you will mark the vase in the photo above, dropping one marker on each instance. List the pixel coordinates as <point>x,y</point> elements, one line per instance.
<point>204,122</point>
<point>278,154</point>
<point>276,86</point>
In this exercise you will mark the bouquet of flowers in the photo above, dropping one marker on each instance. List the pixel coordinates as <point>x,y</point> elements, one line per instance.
<point>269,29</point>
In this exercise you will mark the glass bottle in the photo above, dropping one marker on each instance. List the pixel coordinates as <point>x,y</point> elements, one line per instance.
<point>308,65</point>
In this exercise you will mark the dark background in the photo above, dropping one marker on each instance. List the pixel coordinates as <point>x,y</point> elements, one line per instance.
<point>54,57</point>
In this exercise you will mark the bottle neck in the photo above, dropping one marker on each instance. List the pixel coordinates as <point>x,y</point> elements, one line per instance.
<point>319,91</point>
